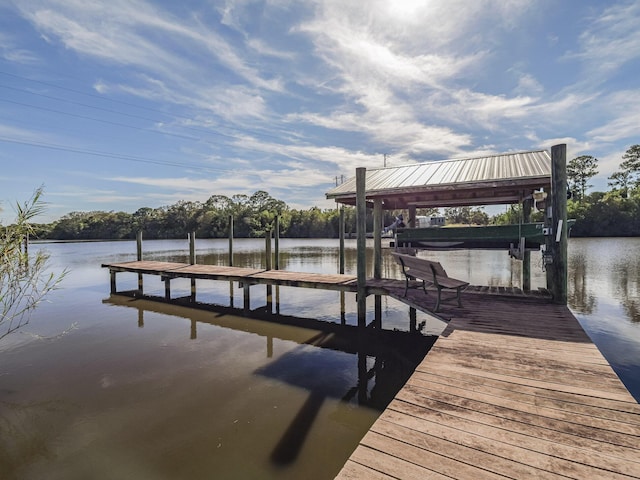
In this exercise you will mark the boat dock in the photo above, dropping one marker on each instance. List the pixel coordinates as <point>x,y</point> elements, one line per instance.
<point>514,388</point>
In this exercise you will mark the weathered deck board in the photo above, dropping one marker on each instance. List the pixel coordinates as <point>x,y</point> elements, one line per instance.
<point>514,389</point>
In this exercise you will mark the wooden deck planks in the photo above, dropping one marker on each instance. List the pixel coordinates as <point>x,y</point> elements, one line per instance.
<point>515,389</point>
<point>171,270</point>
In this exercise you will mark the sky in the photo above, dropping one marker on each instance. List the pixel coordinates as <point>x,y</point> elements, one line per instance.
<point>119,105</point>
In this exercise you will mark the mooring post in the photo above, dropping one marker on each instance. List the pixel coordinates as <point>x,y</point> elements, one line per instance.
<point>276,239</point>
<point>526,259</point>
<point>268,261</point>
<point>231,240</point>
<point>412,216</point>
<point>139,257</point>
<point>192,261</point>
<point>192,248</point>
<point>377,238</point>
<point>230,258</point>
<point>341,236</point>
<point>267,245</point>
<point>361,244</point>
<point>377,257</point>
<point>558,267</point>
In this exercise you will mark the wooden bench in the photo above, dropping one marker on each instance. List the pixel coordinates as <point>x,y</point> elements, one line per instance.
<point>431,273</point>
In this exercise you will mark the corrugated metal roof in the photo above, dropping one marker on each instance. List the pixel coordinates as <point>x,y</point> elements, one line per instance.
<point>420,183</point>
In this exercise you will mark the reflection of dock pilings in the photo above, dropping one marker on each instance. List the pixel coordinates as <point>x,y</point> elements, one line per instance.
<point>334,336</point>
<point>395,357</point>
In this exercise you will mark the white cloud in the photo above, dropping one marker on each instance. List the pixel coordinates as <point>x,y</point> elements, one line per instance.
<point>624,107</point>
<point>529,85</point>
<point>611,40</point>
<point>137,34</point>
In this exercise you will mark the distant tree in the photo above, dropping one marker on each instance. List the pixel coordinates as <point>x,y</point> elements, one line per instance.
<point>24,280</point>
<point>478,217</point>
<point>631,164</point>
<point>620,182</point>
<point>579,171</point>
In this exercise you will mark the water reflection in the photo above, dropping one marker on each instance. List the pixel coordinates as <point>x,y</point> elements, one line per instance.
<point>579,297</point>
<point>384,360</point>
<point>625,275</point>
<point>605,269</point>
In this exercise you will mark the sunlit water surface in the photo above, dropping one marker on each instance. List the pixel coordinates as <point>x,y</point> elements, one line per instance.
<point>98,387</point>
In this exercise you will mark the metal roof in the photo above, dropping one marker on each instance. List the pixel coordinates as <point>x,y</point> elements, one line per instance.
<point>497,179</point>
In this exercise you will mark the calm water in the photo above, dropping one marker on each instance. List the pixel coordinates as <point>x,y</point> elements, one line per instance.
<point>109,387</point>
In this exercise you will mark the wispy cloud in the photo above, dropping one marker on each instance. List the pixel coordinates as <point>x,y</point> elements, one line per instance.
<point>624,109</point>
<point>11,53</point>
<point>140,35</point>
<point>611,40</point>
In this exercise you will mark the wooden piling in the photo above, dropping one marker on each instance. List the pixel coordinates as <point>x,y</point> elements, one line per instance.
<point>361,244</point>
<point>192,261</point>
<point>341,235</point>
<point>276,240</point>
<point>526,259</point>
<point>231,240</point>
<point>230,261</point>
<point>267,241</point>
<point>558,268</point>
<point>139,257</point>
<point>412,216</point>
<point>377,238</point>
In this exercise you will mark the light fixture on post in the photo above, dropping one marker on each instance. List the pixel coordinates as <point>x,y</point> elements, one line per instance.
<point>539,197</point>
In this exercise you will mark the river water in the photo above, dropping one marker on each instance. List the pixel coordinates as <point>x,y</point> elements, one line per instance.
<point>103,387</point>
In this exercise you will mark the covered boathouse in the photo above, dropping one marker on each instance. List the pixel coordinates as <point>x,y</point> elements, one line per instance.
<point>507,178</point>
<point>513,388</point>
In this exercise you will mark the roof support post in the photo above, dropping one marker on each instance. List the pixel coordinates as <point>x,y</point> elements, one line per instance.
<point>377,238</point>
<point>412,216</point>
<point>559,240</point>
<point>526,258</point>
<point>361,244</point>
<point>341,235</point>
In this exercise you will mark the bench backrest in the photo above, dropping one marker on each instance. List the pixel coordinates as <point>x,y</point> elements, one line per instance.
<point>420,264</point>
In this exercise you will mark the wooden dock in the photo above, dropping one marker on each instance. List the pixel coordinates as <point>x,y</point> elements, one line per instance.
<point>513,389</point>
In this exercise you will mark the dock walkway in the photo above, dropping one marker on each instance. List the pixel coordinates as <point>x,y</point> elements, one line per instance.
<point>514,388</point>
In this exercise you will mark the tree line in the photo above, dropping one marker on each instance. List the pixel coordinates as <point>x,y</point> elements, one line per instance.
<point>253,215</point>
<point>615,212</point>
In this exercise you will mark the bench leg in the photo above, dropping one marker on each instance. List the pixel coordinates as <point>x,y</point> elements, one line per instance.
<point>437,309</point>
<point>406,285</point>
<point>459,299</point>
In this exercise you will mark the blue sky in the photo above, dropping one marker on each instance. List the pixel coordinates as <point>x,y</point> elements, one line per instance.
<point>122,104</point>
